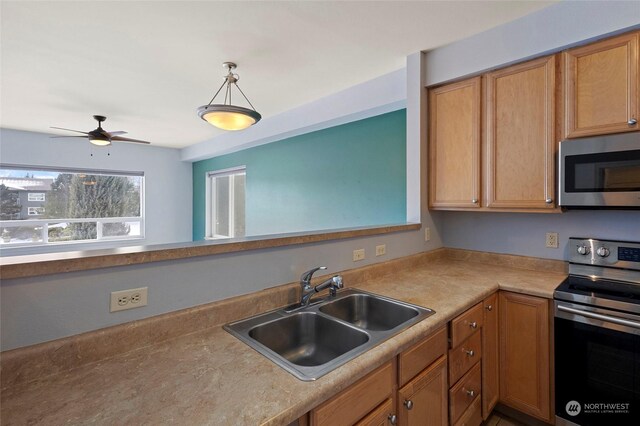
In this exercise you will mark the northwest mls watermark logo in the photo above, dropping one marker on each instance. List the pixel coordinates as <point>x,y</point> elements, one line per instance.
<point>573,408</point>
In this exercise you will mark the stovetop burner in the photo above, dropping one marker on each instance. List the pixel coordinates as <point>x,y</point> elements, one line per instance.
<point>599,292</point>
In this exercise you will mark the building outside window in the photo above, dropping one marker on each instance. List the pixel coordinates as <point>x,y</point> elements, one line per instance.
<point>41,206</point>
<point>225,203</point>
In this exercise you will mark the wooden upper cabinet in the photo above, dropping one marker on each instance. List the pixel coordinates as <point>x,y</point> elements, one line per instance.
<point>520,132</point>
<point>454,145</point>
<point>525,354</point>
<point>601,87</point>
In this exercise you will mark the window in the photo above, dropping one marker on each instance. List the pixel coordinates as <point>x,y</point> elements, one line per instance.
<point>35,196</point>
<point>226,203</point>
<point>35,211</point>
<point>74,206</point>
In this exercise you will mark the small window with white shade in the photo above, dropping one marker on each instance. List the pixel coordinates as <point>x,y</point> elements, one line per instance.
<point>225,203</point>
<point>36,196</point>
<point>35,211</point>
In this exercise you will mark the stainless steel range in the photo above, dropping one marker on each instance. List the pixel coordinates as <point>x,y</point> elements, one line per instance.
<point>597,335</point>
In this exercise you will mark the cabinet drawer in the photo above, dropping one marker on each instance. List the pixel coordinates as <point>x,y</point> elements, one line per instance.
<point>463,393</point>
<point>358,400</point>
<point>379,416</point>
<point>418,357</point>
<point>464,356</point>
<point>473,415</point>
<point>465,324</point>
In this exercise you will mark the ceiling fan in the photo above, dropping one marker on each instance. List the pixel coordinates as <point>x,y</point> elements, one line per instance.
<point>100,136</point>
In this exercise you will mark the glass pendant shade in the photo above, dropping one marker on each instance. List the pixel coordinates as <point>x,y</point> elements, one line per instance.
<point>228,117</point>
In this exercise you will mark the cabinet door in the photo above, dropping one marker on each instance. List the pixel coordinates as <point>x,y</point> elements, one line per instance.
<point>381,416</point>
<point>423,401</point>
<point>358,400</point>
<point>454,145</point>
<point>601,87</point>
<point>525,354</point>
<point>521,141</point>
<point>490,350</point>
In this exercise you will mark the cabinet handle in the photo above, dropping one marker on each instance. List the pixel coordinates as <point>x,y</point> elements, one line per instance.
<point>408,403</point>
<point>473,324</point>
<point>393,419</point>
<point>489,308</point>
<point>471,393</point>
<point>474,201</point>
<point>632,122</point>
<point>549,200</point>
<point>470,352</point>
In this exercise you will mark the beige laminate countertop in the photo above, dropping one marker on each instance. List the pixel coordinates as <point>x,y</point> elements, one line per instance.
<point>211,378</point>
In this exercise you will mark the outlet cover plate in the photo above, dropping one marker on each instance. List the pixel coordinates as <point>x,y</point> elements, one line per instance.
<point>128,299</point>
<point>381,250</point>
<point>551,240</point>
<point>358,255</point>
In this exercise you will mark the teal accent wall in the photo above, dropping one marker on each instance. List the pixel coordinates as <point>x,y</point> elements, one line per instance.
<point>344,176</point>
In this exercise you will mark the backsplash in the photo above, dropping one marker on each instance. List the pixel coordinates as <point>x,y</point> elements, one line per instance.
<point>524,234</point>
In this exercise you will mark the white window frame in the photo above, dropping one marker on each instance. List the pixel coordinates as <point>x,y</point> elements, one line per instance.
<point>45,223</point>
<point>35,211</point>
<point>210,199</point>
<point>36,196</point>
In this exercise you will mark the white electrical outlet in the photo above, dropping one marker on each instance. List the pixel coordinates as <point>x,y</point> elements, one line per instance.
<point>381,250</point>
<point>552,240</point>
<point>358,255</point>
<point>128,299</point>
<point>427,234</point>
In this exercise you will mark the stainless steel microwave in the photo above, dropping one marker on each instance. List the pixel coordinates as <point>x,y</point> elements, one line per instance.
<point>600,172</point>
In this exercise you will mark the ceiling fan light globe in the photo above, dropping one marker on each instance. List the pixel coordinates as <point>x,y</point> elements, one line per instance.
<point>229,117</point>
<point>100,142</point>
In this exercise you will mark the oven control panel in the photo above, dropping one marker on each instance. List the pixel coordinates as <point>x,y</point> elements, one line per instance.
<point>617,254</point>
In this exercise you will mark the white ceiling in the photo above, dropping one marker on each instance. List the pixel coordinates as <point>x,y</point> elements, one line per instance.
<point>148,65</point>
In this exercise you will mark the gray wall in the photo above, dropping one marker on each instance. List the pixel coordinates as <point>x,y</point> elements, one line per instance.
<point>524,234</point>
<point>39,309</point>
<point>547,30</point>
<point>168,180</point>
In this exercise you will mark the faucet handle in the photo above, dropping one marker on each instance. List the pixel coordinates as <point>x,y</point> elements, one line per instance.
<point>336,283</point>
<point>305,278</point>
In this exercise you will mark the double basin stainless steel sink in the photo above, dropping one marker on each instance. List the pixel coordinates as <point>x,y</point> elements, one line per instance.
<point>311,341</point>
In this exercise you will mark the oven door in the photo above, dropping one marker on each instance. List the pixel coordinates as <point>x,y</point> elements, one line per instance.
<point>597,366</point>
<point>600,172</point>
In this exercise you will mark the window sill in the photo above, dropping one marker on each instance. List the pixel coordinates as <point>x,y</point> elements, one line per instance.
<point>55,263</point>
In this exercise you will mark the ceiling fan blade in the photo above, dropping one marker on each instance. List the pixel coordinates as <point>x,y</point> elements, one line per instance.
<point>119,132</point>
<point>121,139</point>
<point>71,130</point>
<point>56,137</point>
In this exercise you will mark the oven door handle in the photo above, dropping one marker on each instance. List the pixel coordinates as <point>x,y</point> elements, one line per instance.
<point>606,318</point>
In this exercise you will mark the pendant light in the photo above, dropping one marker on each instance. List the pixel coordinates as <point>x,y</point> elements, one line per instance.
<point>227,116</point>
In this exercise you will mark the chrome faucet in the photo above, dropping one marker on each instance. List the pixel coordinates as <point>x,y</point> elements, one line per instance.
<point>333,284</point>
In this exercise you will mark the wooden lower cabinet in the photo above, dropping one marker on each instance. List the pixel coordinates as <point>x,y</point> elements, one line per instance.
<point>525,379</point>
<point>501,353</point>
<point>423,401</point>
<point>357,401</point>
<point>381,416</point>
<point>374,400</point>
<point>490,350</point>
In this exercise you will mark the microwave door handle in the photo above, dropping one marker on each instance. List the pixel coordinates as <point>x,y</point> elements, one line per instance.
<point>606,318</point>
